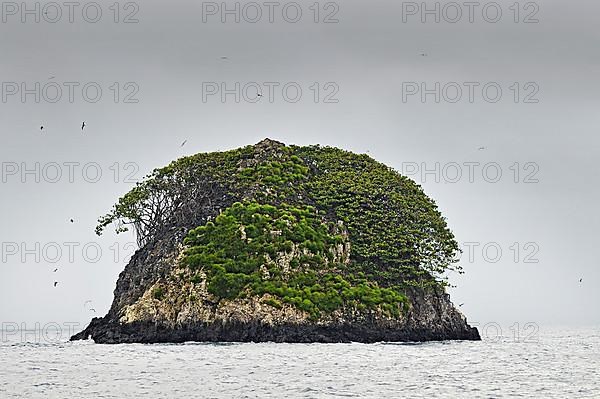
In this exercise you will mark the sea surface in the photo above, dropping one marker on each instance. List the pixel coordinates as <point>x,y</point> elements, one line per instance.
<point>552,363</point>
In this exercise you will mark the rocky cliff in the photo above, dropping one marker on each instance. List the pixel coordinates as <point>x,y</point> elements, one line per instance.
<point>281,243</point>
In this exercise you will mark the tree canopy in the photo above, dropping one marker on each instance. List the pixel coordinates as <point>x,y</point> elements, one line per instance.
<point>396,233</point>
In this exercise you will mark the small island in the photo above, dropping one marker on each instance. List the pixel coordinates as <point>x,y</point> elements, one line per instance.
<point>281,243</point>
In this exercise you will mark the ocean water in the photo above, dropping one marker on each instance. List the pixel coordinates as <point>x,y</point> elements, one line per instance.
<point>553,363</point>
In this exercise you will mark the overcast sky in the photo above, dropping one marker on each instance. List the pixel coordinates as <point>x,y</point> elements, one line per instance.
<point>514,96</point>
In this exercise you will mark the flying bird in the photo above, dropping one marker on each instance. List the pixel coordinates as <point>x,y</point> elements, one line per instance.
<point>182,144</point>
<point>83,126</point>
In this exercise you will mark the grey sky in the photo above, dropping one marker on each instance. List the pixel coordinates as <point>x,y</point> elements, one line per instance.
<point>365,59</point>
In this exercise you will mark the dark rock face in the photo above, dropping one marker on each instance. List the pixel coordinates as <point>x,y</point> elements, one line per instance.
<point>136,317</point>
<point>146,332</point>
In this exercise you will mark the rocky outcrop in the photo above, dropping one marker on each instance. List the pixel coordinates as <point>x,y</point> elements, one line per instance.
<point>160,298</point>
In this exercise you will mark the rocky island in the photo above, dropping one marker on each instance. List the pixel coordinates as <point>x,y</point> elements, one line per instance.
<point>281,243</point>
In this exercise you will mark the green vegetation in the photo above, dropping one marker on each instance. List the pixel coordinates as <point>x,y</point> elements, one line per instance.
<point>158,293</point>
<point>240,253</point>
<point>289,200</point>
<point>397,233</point>
<point>273,302</point>
<point>276,174</point>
